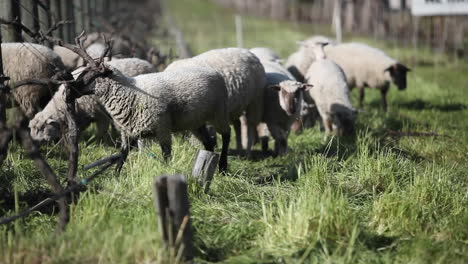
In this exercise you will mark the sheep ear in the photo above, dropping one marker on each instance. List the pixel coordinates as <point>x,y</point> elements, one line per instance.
<point>50,121</point>
<point>306,86</point>
<point>275,87</point>
<point>402,67</point>
<point>323,44</point>
<point>390,69</point>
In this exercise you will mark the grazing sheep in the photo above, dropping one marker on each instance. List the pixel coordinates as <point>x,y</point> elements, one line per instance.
<point>330,94</point>
<point>245,81</point>
<point>23,61</point>
<point>298,62</point>
<point>283,98</point>
<point>69,58</point>
<point>159,104</point>
<point>46,125</point>
<point>121,47</point>
<point>265,54</point>
<point>365,66</point>
<point>320,39</point>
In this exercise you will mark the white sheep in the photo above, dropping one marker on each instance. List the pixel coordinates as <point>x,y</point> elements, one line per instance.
<point>159,104</point>
<point>245,81</point>
<point>22,61</point>
<point>366,66</point>
<point>69,58</point>
<point>283,98</point>
<point>265,54</point>
<point>298,63</point>
<point>330,94</point>
<point>46,125</point>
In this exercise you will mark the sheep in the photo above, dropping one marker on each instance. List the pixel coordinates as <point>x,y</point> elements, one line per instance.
<point>121,47</point>
<point>283,98</point>
<point>245,80</point>
<point>158,104</point>
<point>265,54</point>
<point>45,126</point>
<point>69,58</point>
<point>366,66</point>
<point>73,60</point>
<point>23,61</point>
<point>298,62</point>
<point>330,94</point>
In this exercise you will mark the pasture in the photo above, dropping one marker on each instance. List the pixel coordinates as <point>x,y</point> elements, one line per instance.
<point>396,193</point>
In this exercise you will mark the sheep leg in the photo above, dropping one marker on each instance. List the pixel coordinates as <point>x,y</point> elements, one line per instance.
<point>251,131</point>
<point>237,129</point>
<point>327,124</point>
<point>165,142</point>
<point>244,131</point>
<point>383,93</point>
<point>263,133</point>
<point>203,135</point>
<point>296,126</point>
<point>223,164</point>
<point>281,141</point>
<point>264,141</point>
<point>124,150</point>
<point>101,127</point>
<point>361,96</point>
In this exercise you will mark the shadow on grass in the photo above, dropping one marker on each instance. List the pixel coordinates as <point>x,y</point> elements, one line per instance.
<point>377,242</point>
<point>419,104</point>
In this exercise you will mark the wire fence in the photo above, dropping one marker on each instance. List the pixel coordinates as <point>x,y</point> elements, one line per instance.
<point>381,19</point>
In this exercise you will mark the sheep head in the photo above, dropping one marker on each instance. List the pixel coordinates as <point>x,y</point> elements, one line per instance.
<point>398,73</point>
<point>44,130</point>
<point>291,95</point>
<point>343,120</point>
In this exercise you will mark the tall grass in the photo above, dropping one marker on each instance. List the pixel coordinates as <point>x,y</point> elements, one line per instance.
<point>374,199</point>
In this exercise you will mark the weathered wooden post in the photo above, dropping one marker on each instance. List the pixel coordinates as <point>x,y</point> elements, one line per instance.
<point>45,18</point>
<point>10,10</point>
<point>78,16</point>
<point>239,37</point>
<point>67,15</point>
<point>86,15</point>
<point>337,20</point>
<point>204,168</point>
<point>56,12</point>
<point>173,208</point>
<point>30,17</point>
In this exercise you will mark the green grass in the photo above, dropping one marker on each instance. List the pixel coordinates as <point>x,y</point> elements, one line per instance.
<point>377,199</point>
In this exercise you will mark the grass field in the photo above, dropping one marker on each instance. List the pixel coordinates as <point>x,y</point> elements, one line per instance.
<point>377,198</point>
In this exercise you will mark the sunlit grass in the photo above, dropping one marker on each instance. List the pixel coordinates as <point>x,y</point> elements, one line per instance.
<point>375,199</point>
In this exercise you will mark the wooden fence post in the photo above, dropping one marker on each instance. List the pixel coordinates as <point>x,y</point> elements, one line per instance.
<point>78,16</point>
<point>67,14</point>
<point>30,17</point>
<point>86,14</point>
<point>204,167</point>
<point>45,18</point>
<point>10,10</point>
<point>173,208</point>
<point>56,13</point>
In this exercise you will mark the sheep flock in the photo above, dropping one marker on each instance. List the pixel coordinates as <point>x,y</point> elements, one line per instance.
<point>251,89</point>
